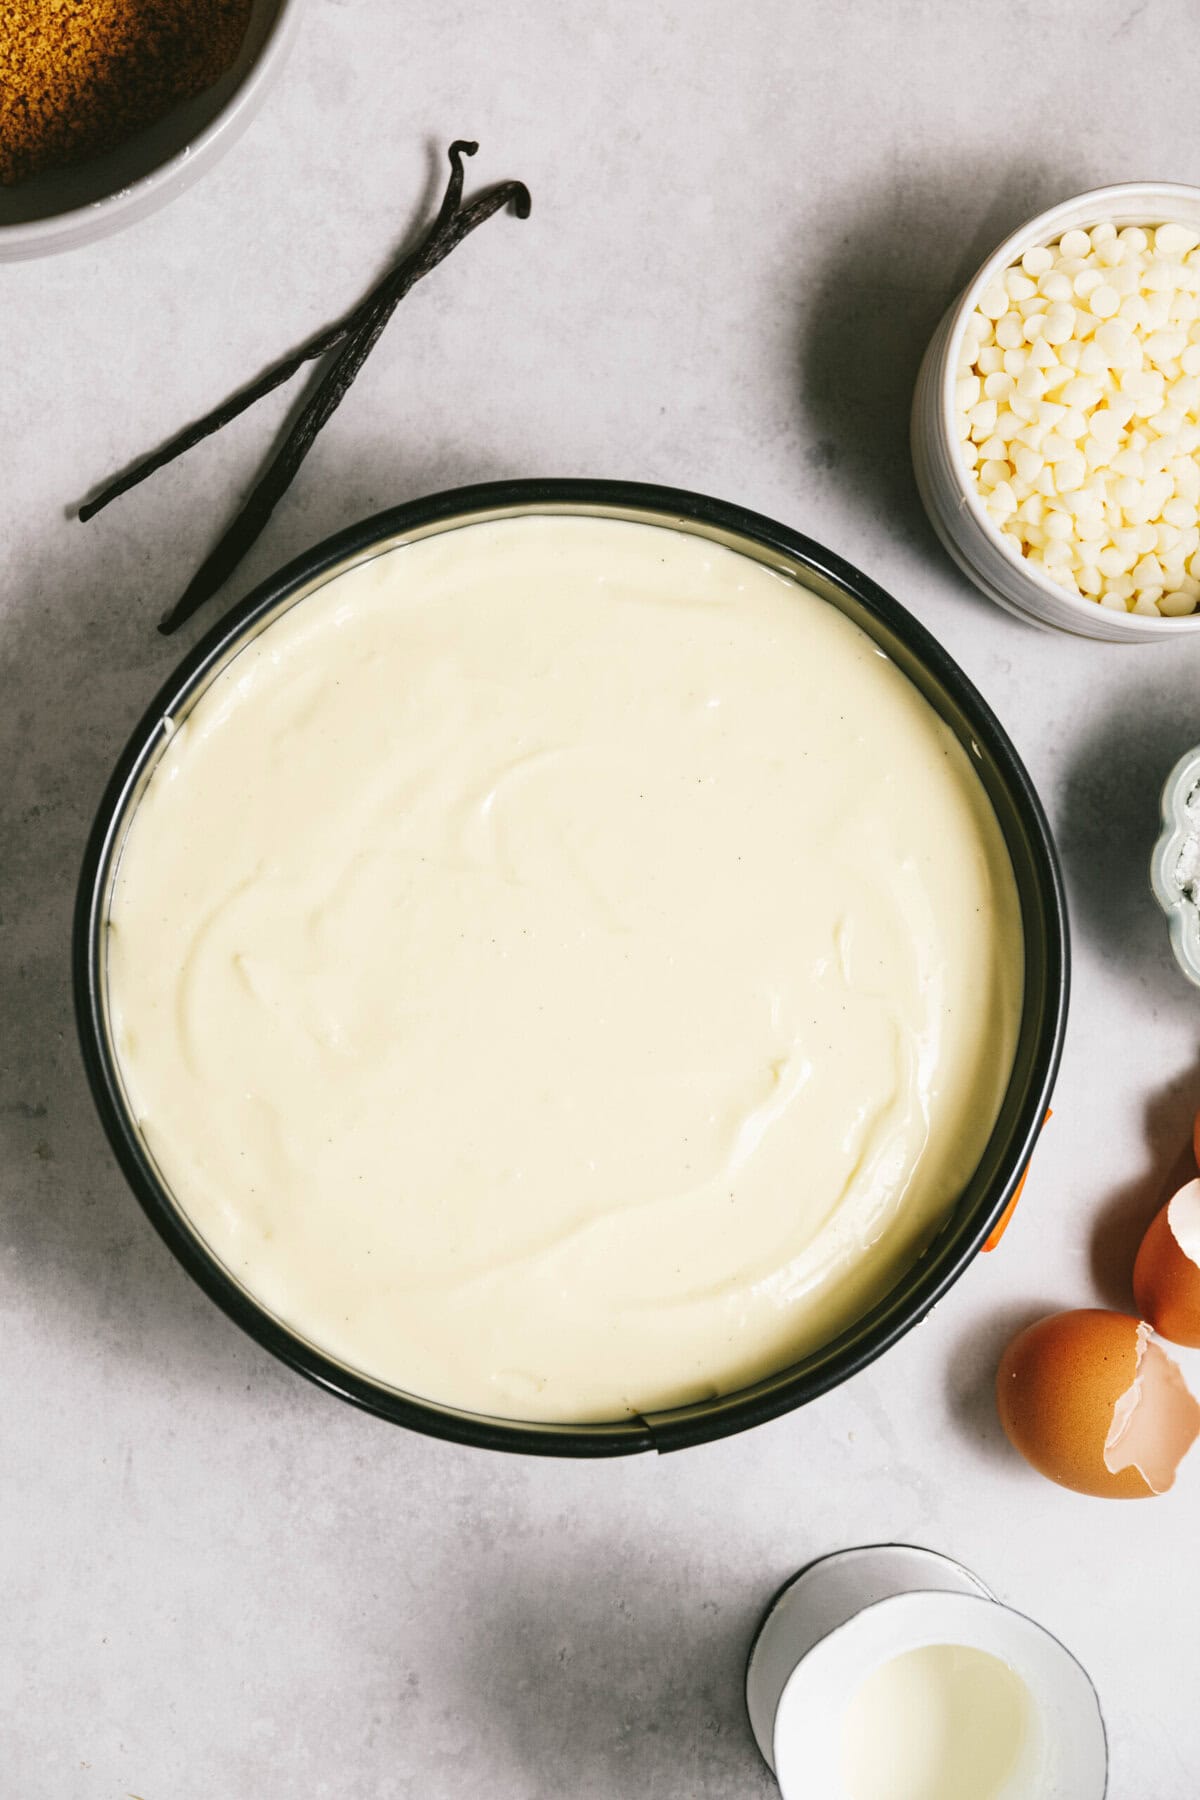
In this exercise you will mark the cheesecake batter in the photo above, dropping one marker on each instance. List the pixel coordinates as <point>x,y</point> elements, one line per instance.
<point>562,969</point>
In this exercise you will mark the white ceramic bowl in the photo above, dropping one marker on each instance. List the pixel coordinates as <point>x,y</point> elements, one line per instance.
<point>67,207</point>
<point>1065,1755</point>
<point>946,487</point>
<point>1175,865</point>
<point>846,1615</point>
<point>824,1597</point>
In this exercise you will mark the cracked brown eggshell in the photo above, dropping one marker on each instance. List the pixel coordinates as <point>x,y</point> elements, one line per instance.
<point>1166,1275</point>
<point>1096,1405</point>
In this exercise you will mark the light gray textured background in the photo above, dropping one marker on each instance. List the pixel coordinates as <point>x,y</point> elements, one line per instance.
<point>214,1580</point>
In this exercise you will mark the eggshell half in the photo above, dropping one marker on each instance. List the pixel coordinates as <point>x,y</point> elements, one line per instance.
<point>1166,1275</point>
<point>1093,1403</point>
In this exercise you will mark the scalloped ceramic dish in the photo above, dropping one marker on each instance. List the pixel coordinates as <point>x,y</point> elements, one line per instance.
<point>1175,865</point>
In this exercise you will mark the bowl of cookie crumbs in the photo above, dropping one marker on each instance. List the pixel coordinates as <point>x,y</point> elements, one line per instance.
<point>108,108</point>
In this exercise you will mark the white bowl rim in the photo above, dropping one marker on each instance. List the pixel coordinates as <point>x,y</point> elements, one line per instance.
<point>1042,228</point>
<point>29,238</point>
<point>921,1619</point>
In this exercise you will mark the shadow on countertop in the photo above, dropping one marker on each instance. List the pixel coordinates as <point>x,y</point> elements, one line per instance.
<point>871,308</point>
<point>1120,1222</point>
<point>613,1678</point>
<point>971,1366</point>
<point>1108,808</point>
<point>84,660</point>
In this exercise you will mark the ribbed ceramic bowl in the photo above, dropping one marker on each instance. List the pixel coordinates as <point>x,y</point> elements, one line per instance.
<point>950,694</point>
<point>67,207</point>
<point>947,489</point>
<point>1175,864</point>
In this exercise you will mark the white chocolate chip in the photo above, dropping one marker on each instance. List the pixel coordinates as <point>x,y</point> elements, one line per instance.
<point>993,302</point>
<point>1103,300</point>
<point>1175,240</point>
<point>1077,403</point>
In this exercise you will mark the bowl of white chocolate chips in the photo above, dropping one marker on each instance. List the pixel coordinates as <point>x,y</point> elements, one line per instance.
<point>1056,423</point>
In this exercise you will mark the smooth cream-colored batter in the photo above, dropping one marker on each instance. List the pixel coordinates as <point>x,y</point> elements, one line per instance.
<point>563,968</point>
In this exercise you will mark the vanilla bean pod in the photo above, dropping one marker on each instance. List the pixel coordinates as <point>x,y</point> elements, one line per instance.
<point>265,496</point>
<point>349,341</point>
<point>282,371</point>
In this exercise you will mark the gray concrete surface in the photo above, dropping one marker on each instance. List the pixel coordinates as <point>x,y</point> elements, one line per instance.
<point>214,1580</point>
